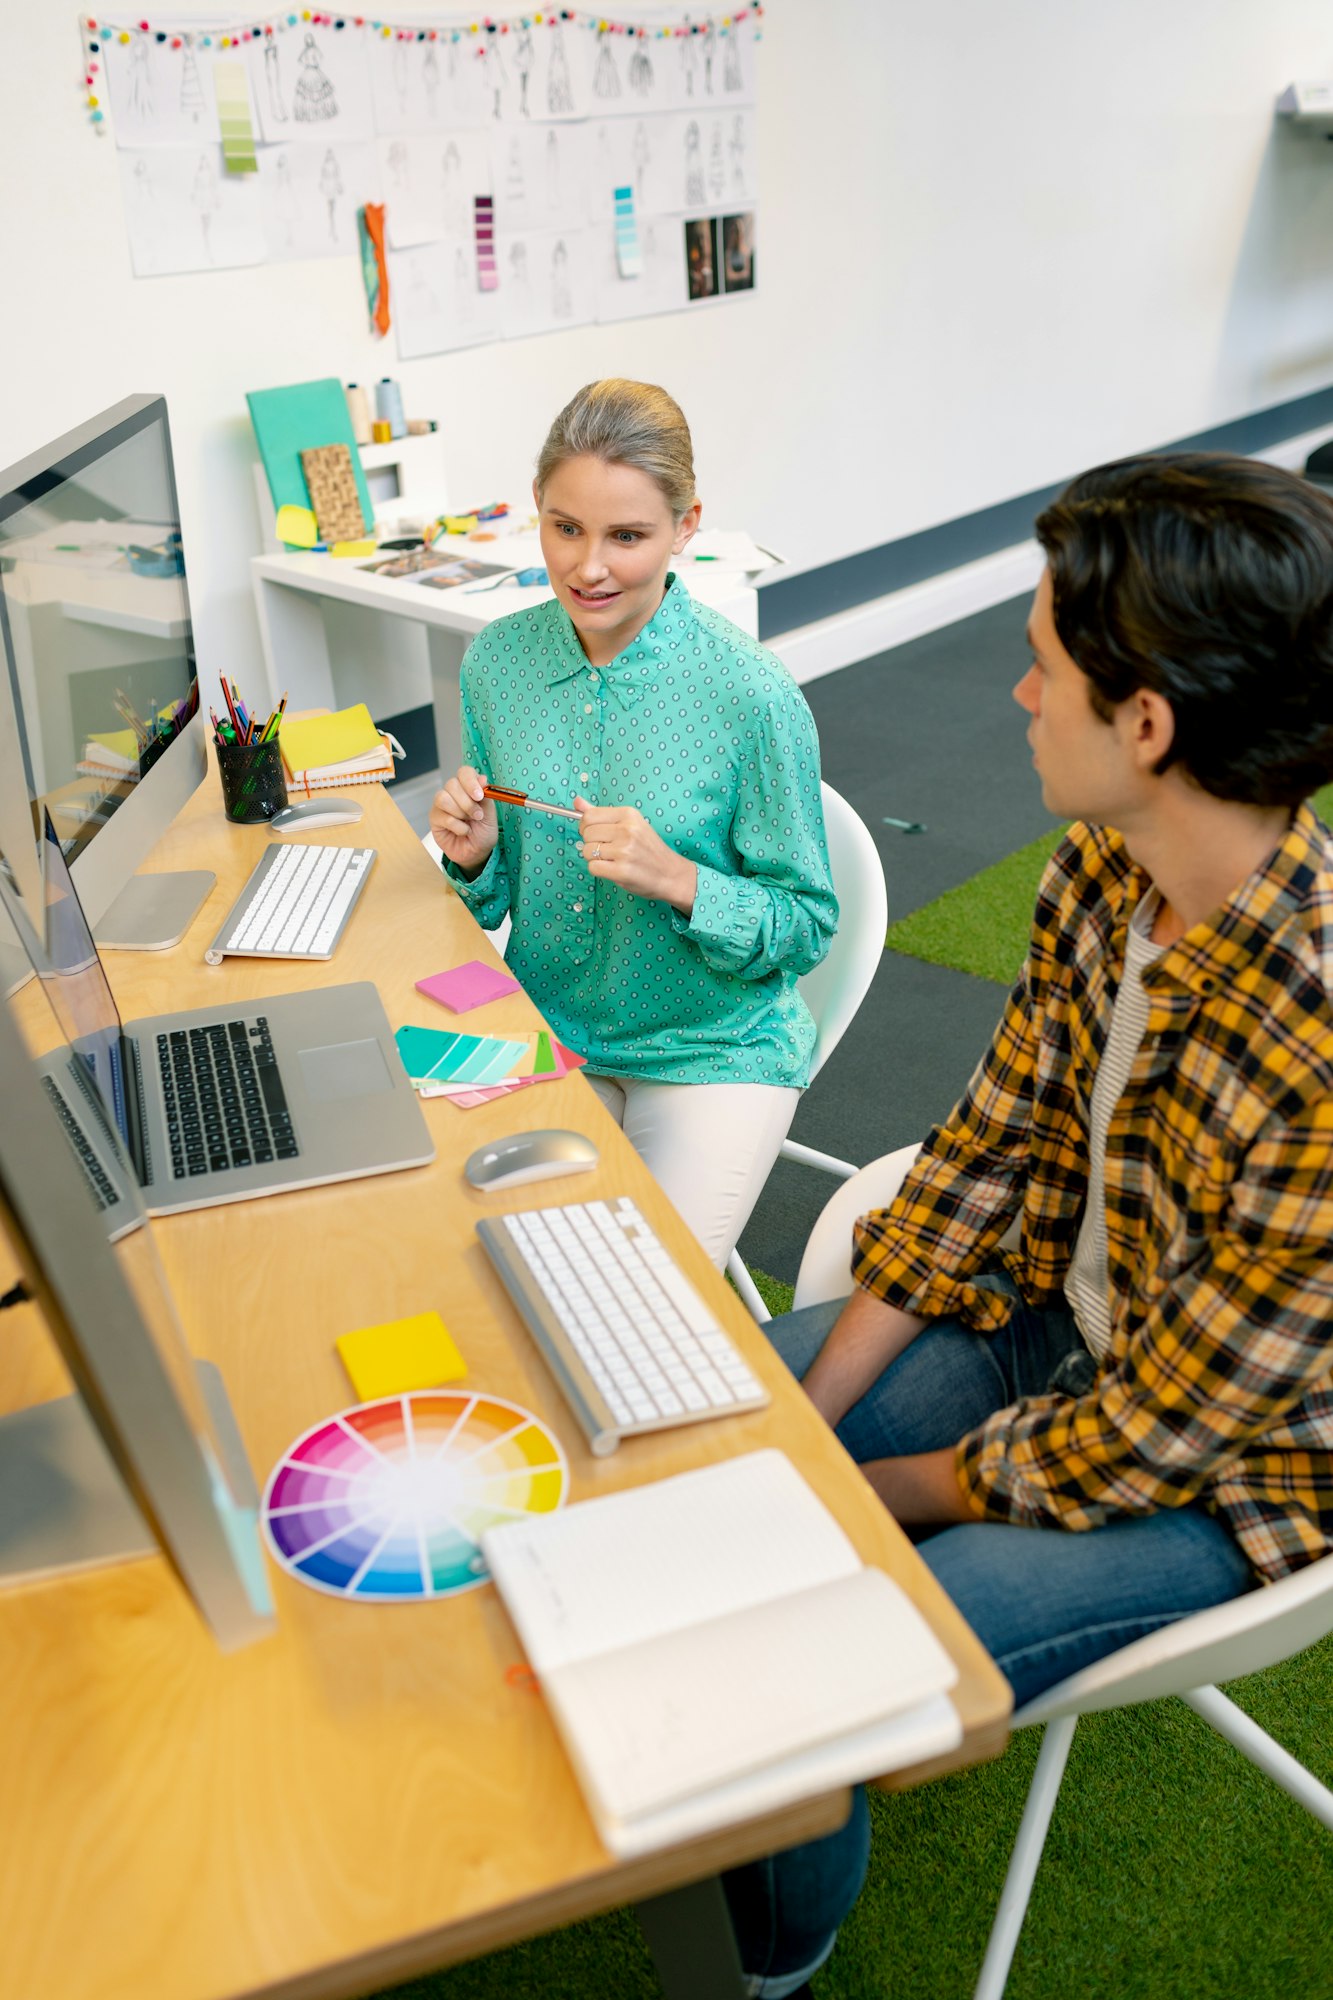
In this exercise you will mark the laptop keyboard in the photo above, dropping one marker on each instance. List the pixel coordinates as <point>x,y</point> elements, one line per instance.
<point>295,904</point>
<point>103,1190</point>
<point>223,1097</point>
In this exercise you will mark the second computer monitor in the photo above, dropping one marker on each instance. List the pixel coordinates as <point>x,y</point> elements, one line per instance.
<point>99,661</point>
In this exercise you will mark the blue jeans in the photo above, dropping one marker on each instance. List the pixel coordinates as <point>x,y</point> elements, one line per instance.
<point>1044,1603</point>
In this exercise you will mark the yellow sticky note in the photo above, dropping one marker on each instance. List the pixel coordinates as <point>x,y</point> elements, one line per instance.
<point>363,548</point>
<point>296,526</point>
<point>459,524</point>
<point>415,1353</point>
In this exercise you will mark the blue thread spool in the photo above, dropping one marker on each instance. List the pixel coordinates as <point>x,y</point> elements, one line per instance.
<point>389,406</point>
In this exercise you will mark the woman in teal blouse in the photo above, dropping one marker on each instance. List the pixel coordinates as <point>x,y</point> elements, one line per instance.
<point>663,932</point>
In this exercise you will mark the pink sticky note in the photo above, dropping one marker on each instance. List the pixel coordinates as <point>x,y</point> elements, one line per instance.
<point>465,986</point>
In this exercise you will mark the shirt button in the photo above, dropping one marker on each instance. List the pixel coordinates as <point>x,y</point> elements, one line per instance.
<point>587,708</point>
<point>578,907</point>
<point>593,679</point>
<point>583,777</point>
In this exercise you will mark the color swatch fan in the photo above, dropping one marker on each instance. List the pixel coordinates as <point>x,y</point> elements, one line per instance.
<point>387,1502</point>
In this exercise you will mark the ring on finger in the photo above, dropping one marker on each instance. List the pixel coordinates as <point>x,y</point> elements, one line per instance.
<point>596,854</point>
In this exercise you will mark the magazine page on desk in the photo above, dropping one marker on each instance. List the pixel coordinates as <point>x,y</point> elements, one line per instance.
<point>712,1647</point>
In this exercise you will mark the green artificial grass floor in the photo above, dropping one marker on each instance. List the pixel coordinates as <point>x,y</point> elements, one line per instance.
<point>1173,1870</point>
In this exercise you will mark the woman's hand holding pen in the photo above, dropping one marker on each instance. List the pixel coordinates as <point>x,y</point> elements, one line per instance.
<point>463,821</point>
<point>619,845</point>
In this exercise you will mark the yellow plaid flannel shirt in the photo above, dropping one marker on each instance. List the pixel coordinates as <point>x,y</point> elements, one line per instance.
<point>1218,1384</point>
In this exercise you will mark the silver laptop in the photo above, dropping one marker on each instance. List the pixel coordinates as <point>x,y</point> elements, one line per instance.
<point>218,1104</point>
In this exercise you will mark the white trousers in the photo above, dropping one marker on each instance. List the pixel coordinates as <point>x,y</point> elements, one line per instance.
<point>709,1146</point>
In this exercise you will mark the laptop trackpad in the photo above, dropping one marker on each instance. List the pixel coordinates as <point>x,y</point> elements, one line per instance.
<point>345,1069</point>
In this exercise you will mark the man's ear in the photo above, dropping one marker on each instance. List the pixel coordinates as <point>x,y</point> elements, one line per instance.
<point>1153,723</point>
<point>687,527</point>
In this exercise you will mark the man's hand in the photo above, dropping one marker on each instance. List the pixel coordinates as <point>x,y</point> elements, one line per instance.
<point>619,845</point>
<point>921,1489</point>
<point>866,1336</point>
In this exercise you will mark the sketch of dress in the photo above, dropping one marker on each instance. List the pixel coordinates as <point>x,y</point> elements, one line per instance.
<point>641,70</point>
<point>552,171</point>
<point>606,77</point>
<point>314,99</point>
<point>430,79</point>
<point>736,148</point>
<point>717,175</point>
<point>285,198</point>
<point>331,187</point>
<point>643,157</point>
<point>206,198</point>
<point>451,189</point>
<point>731,61</point>
<point>710,45</point>
<point>523,61</point>
<point>144,198</point>
<point>689,62</point>
<point>694,166</point>
<point>141,81</point>
<point>192,91</point>
<point>402,76</point>
<point>516,186</point>
<point>562,298</point>
<point>277,110</point>
<point>498,76</point>
<point>518,264</point>
<point>559,96</point>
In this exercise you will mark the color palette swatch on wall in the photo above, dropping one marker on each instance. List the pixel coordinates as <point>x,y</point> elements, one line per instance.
<point>386,1503</point>
<point>483,208</point>
<point>234,122</point>
<point>628,259</point>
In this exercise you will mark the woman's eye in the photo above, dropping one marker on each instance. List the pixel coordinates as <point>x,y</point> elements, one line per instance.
<point>567,528</point>
<point>627,535</point>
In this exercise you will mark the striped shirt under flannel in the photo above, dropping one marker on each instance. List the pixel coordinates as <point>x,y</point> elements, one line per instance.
<point>1218,1384</point>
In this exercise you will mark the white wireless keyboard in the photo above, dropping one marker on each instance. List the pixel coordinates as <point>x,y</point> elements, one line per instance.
<point>295,904</point>
<point>631,1343</point>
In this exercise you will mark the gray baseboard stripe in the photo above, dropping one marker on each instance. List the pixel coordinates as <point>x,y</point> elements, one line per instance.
<point>822,593</point>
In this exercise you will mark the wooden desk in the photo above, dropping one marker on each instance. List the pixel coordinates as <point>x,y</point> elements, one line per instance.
<point>362,1797</point>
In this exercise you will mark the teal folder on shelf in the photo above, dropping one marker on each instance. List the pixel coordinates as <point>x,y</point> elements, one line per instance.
<point>300,418</point>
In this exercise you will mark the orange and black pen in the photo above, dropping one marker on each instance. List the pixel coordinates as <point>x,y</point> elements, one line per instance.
<point>508,796</point>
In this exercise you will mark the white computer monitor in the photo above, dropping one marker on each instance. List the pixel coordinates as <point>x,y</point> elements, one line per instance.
<point>99,662</point>
<point>146,1456</point>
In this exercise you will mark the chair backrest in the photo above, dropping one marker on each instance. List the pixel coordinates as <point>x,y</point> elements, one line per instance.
<point>838,985</point>
<point>825,1268</point>
<point>1257,1630</point>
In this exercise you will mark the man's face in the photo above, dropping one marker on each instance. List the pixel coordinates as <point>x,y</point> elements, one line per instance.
<point>1084,764</point>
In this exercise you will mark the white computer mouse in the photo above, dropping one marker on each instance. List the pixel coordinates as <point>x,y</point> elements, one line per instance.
<point>306,814</point>
<point>529,1156</point>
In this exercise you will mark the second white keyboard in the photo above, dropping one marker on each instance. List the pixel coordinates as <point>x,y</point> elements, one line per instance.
<point>295,903</point>
<point>630,1341</point>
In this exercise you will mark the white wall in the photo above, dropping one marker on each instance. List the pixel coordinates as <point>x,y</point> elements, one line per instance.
<point>996,243</point>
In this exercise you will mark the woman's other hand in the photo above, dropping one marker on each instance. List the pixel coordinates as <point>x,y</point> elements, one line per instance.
<point>463,821</point>
<point>619,845</point>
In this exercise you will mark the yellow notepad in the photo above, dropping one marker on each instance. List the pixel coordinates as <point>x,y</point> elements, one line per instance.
<point>328,739</point>
<point>415,1353</point>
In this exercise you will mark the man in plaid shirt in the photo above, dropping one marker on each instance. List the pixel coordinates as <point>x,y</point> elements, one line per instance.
<point>1088,1358</point>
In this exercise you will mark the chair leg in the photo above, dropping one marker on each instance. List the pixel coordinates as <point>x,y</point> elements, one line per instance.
<point>1023,1862</point>
<point>792,1149</point>
<point>1256,1744</point>
<point>745,1285</point>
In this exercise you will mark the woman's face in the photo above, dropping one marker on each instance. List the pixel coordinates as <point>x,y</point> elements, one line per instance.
<point>608,536</point>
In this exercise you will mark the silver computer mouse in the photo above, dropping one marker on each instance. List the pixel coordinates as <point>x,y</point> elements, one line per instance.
<point>529,1156</point>
<point>306,814</point>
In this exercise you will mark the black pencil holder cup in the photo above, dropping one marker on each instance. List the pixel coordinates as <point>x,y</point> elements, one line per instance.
<point>254,785</point>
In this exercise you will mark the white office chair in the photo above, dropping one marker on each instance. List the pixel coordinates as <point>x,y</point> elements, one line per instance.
<point>1258,1630</point>
<point>838,985</point>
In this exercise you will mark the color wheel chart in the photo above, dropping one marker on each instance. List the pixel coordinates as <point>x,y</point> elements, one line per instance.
<point>387,1502</point>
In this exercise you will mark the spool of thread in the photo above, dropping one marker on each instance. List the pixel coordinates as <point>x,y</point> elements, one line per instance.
<point>381,431</point>
<point>389,406</point>
<point>420,427</point>
<point>358,409</point>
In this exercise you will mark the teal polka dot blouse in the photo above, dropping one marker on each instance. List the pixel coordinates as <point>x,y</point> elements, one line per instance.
<point>705,732</point>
